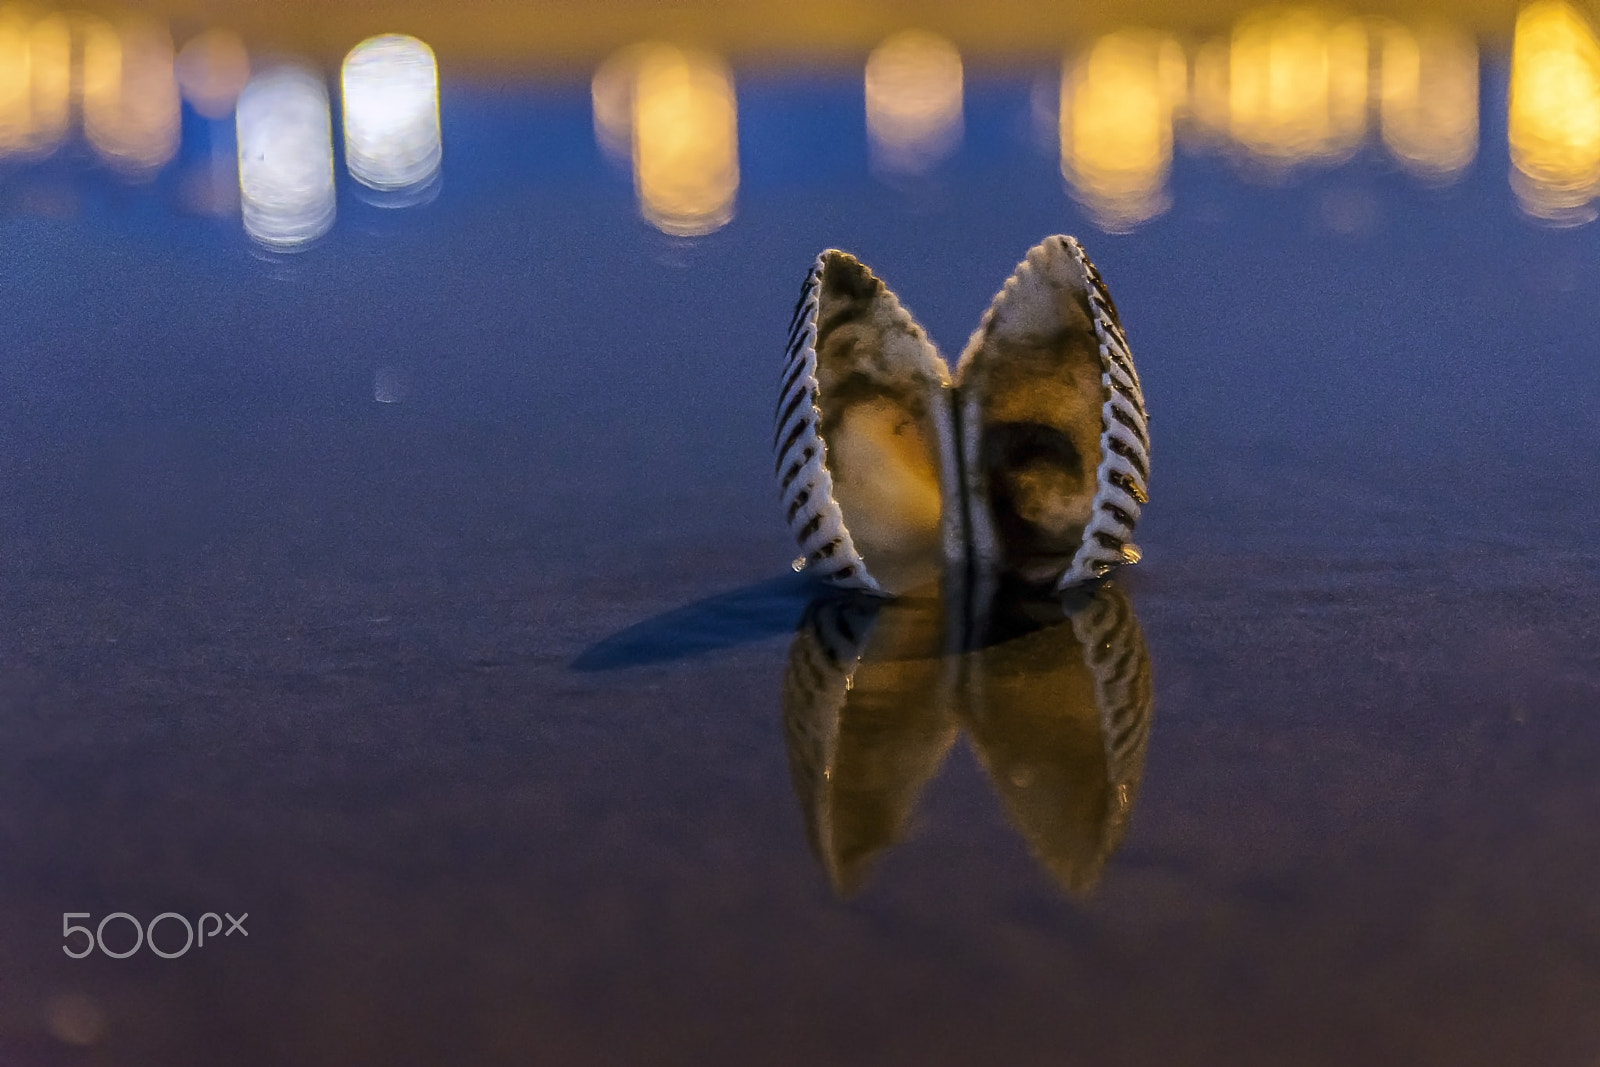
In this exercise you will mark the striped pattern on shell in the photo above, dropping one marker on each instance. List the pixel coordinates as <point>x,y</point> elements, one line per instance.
<point>1124,472</point>
<point>1049,363</point>
<point>1049,475</point>
<point>1114,649</point>
<point>861,749</point>
<point>804,483</point>
<point>1058,708</point>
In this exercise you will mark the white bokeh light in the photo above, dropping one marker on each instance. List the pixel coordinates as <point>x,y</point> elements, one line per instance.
<point>391,113</point>
<point>285,135</point>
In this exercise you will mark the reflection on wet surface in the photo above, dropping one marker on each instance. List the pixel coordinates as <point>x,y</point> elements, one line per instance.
<point>1117,105</point>
<point>670,114</point>
<point>391,115</point>
<point>914,102</point>
<point>1555,112</point>
<point>285,138</point>
<point>1055,696</point>
<point>1285,87</point>
<point>211,69</point>
<point>1428,97</point>
<point>423,593</point>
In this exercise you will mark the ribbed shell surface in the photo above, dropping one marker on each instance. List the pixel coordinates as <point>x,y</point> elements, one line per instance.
<point>805,486</point>
<point>1124,473</point>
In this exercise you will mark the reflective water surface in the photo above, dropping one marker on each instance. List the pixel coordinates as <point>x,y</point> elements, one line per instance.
<point>1056,697</point>
<point>389,553</point>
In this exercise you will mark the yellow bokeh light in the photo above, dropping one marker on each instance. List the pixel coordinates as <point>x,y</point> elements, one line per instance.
<point>1428,98</point>
<point>35,83</point>
<point>1117,103</point>
<point>1297,86</point>
<point>685,140</point>
<point>122,83</point>
<point>130,94</point>
<point>50,55</point>
<point>1554,121</point>
<point>16,84</point>
<point>1208,92</point>
<point>914,101</point>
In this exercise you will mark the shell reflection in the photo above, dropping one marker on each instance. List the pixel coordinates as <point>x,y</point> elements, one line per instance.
<point>1554,122</point>
<point>1055,696</point>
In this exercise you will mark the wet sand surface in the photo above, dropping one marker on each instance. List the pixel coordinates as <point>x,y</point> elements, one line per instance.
<point>472,701</point>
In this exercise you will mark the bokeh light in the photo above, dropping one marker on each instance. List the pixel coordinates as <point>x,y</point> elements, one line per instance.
<point>35,83</point>
<point>612,92</point>
<point>1117,102</point>
<point>1428,98</point>
<point>130,94</point>
<point>285,138</point>
<point>685,140</point>
<point>914,100</point>
<point>1290,86</point>
<point>212,69</point>
<point>16,83</point>
<point>1554,121</point>
<point>391,113</point>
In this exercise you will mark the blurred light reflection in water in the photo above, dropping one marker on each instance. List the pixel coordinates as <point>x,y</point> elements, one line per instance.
<point>1117,103</point>
<point>212,68</point>
<point>611,102</point>
<point>50,70</point>
<point>1428,98</point>
<point>122,83</point>
<point>285,136</point>
<point>35,83</point>
<point>1554,125</point>
<point>685,141</point>
<point>913,89</point>
<point>1285,87</point>
<point>1296,85</point>
<point>391,114</point>
<point>35,80</point>
<point>130,94</point>
<point>671,116</point>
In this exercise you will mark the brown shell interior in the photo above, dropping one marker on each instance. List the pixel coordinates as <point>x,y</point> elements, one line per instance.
<point>1031,382</point>
<point>879,382</point>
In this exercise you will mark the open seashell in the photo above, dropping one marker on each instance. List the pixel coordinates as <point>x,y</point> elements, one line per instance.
<point>863,438</point>
<point>1055,695</point>
<point>1055,440</point>
<point>1033,461</point>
